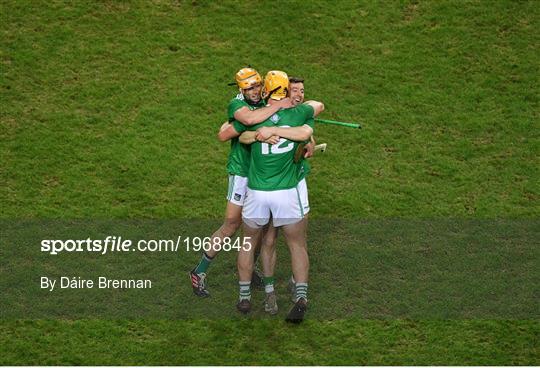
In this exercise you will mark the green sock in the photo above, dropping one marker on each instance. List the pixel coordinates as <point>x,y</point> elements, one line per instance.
<point>204,263</point>
<point>269,284</point>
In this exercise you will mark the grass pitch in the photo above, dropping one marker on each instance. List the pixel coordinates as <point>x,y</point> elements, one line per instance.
<point>110,109</point>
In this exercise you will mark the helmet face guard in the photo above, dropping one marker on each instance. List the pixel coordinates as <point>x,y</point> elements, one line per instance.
<point>276,85</point>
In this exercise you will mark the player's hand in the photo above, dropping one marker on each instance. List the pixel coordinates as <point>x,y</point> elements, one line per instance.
<point>309,149</point>
<point>263,133</point>
<point>273,139</point>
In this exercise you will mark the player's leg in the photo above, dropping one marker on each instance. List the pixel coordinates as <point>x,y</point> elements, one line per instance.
<point>231,223</point>
<point>295,236</point>
<point>268,250</point>
<point>304,199</point>
<point>233,212</point>
<point>291,284</point>
<point>255,215</point>
<point>268,260</point>
<point>289,212</point>
<point>245,264</point>
<point>257,278</point>
<point>302,191</point>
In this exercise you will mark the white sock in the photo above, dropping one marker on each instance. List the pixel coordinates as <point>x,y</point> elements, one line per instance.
<point>301,290</point>
<point>245,290</point>
<point>269,288</point>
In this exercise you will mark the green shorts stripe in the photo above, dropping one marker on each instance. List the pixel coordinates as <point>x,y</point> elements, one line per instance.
<point>299,201</point>
<point>231,187</point>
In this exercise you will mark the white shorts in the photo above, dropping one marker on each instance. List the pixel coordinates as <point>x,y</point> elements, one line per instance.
<point>237,189</point>
<point>287,206</point>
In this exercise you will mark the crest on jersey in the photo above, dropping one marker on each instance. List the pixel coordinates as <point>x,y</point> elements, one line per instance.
<point>274,118</point>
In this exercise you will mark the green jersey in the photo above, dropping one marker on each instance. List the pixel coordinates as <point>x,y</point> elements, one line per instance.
<point>238,162</point>
<point>272,167</point>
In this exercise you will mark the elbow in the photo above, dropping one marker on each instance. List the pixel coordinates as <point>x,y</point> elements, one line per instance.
<point>319,107</point>
<point>306,133</point>
<point>249,122</point>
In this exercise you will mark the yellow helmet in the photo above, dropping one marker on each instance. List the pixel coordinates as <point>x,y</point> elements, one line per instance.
<point>247,78</point>
<point>276,85</point>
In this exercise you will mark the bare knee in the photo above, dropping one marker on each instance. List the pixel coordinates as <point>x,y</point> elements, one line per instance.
<point>230,226</point>
<point>269,243</point>
<point>269,237</point>
<point>245,264</point>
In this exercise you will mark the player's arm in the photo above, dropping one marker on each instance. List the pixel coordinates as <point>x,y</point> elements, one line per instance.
<point>250,137</point>
<point>224,126</point>
<point>226,132</point>
<point>298,134</point>
<point>309,148</point>
<point>318,107</point>
<point>251,117</point>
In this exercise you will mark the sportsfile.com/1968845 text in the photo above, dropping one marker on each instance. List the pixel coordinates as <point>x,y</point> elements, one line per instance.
<point>119,244</point>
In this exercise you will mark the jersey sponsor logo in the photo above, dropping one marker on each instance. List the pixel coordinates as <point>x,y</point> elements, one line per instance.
<point>237,196</point>
<point>274,118</point>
